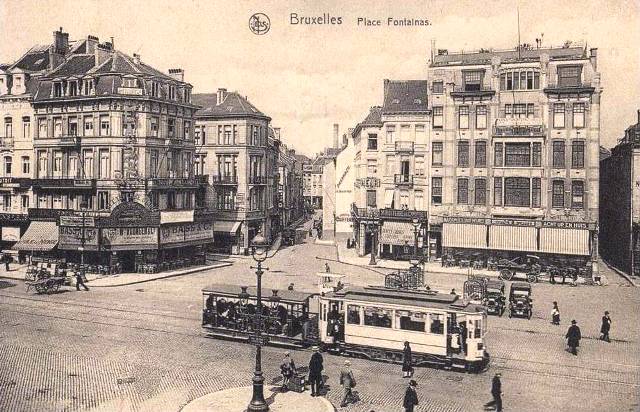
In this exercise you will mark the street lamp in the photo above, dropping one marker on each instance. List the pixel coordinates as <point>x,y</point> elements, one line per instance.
<point>83,209</point>
<point>372,226</point>
<point>416,226</point>
<point>259,249</point>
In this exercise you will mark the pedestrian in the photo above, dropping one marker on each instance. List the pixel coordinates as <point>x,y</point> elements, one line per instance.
<point>80,280</point>
<point>326,267</point>
<point>606,326</point>
<point>555,314</point>
<point>310,232</point>
<point>407,369</point>
<point>315,372</point>
<point>463,336</point>
<point>287,369</point>
<point>410,397</point>
<point>573,337</point>
<point>453,292</point>
<point>7,260</point>
<point>496,393</point>
<point>348,382</point>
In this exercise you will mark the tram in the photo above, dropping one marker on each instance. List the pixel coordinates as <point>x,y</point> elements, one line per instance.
<point>368,322</point>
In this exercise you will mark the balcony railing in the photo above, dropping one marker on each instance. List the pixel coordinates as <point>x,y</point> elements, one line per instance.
<point>6,143</point>
<point>257,180</point>
<point>472,90</point>
<point>364,212</point>
<point>171,182</point>
<point>519,130</point>
<point>403,180</point>
<point>224,180</point>
<point>70,140</point>
<point>569,88</point>
<point>404,147</point>
<point>64,183</point>
<point>202,179</point>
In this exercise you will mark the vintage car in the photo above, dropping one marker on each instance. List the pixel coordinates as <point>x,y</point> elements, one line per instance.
<point>520,301</point>
<point>529,265</point>
<point>494,299</point>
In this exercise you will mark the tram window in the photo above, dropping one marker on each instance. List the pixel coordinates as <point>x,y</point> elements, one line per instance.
<point>353,314</point>
<point>377,317</point>
<point>408,320</point>
<point>477,328</point>
<point>436,324</point>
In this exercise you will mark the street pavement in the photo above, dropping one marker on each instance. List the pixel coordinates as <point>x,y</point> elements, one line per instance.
<point>141,348</point>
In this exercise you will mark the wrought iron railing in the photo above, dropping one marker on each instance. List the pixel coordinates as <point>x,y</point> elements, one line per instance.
<point>227,179</point>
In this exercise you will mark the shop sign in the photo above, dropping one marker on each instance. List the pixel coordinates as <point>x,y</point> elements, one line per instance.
<point>71,237</point>
<point>10,234</point>
<point>344,218</point>
<point>515,222</point>
<point>176,216</point>
<point>462,219</point>
<point>131,237</point>
<point>568,225</point>
<point>77,221</point>
<point>186,232</point>
<point>368,182</point>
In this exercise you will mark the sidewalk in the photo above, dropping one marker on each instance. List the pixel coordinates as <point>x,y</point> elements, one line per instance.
<point>123,279</point>
<point>236,400</point>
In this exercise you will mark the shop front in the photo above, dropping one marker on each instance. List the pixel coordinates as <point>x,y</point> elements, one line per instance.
<point>40,239</point>
<point>228,237</point>
<point>185,244</point>
<point>130,248</point>
<point>397,240</point>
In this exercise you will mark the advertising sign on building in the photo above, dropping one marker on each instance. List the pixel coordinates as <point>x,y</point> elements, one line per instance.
<point>176,216</point>
<point>10,234</point>
<point>130,238</point>
<point>70,237</point>
<point>190,232</point>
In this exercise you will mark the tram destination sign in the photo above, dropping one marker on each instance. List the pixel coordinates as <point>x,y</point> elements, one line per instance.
<point>258,340</point>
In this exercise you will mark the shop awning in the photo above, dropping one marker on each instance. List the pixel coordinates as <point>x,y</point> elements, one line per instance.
<point>564,241</point>
<point>513,238</point>
<point>464,235</point>
<point>224,226</point>
<point>397,233</point>
<point>388,198</point>
<point>40,236</point>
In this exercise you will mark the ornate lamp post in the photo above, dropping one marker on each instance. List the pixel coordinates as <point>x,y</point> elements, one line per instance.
<point>259,247</point>
<point>416,227</point>
<point>83,210</point>
<point>372,229</point>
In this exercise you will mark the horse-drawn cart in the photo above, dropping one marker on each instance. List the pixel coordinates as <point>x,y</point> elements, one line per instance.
<point>46,278</point>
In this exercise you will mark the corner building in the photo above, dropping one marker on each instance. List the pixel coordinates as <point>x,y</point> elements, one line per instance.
<point>515,153</point>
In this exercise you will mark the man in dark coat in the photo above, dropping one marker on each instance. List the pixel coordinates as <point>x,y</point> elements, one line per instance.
<point>606,326</point>
<point>315,372</point>
<point>410,397</point>
<point>496,392</point>
<point>407,369</point>
<point>80,280</point>
<point>573,337</point>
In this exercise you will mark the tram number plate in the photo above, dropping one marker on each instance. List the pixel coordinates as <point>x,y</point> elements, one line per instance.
<point>258,340</point>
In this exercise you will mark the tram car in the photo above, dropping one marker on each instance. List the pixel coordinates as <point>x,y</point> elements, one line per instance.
<point>371,322</point>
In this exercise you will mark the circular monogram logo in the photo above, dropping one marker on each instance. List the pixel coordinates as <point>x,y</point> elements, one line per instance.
<point>259,23</point>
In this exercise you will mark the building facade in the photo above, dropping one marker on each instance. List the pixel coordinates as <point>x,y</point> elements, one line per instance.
<point>237,152</point>
<point>515,153</point>
<point>391,176</point>
<point>113,149</point>
<point>312,176</point>
<point>620,203</point>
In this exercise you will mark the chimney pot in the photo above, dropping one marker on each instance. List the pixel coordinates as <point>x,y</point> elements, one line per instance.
<point>222,94</point>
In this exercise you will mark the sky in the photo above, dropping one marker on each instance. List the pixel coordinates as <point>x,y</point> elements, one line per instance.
<point>308,77</point>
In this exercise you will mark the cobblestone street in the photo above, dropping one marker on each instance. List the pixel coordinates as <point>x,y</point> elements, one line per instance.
<point>140,347</point>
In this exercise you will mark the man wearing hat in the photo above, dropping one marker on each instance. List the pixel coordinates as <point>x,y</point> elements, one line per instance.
<point>573,337</point>
<point>606,326</point>
<point>496,392</point>
<point>410,396</point>
<point>348,382</point>
<point>315,372</point>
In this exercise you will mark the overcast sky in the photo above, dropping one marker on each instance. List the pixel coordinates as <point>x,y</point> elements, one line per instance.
<point>309,77</point>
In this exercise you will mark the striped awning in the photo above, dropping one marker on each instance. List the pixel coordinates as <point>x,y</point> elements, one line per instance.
<point>40,236</point>
<point>464,235</point>
<point>564,241</point>
<point>397,233</point>
<point>513,238</point>
<point>224,226</point>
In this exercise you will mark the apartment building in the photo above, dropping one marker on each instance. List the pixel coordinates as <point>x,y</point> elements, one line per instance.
<point>237,152</point>
<point>620,203</point>
<point>113,140</point>
<point>391,173</point>
<point>515,153</point>
<point>312,177</point>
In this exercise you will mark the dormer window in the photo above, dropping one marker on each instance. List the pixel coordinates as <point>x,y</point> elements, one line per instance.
<point>57,89</point>
<point>73,88</point>
<point>130,82</point>
<point>87,87</point>
<point>172,92</point>
<point>155,89</point>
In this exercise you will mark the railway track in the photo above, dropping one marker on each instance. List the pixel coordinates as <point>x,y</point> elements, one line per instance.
<point>32,307</point>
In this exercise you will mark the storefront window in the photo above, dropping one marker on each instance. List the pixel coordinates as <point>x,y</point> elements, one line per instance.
<point>379,317</point>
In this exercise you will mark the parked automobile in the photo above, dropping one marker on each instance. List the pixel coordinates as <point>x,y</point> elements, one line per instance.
<point>495,300</point>
<point>529,265</point>
<point>520,300</point>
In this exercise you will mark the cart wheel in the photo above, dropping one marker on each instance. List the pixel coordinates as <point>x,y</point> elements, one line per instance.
<point>531,278</point>
<point>505,274</point>
<point>510,274</point>
<point>40,288</point>
<point>55,287</point>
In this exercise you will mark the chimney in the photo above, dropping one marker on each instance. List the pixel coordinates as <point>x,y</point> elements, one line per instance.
<point>594,58</point>
<point>336,133</point>
<point>92,42</point>
<point>222,94</point>
<point>136,59</point>
<point>276,132</point>
<point>638,116</point>
<point>60,42</point>
<point>177,74</point>
<point>103,52</point>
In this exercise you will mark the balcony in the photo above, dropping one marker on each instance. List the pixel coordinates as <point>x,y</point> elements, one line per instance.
<point>364,212</point>
<point>403,180</point>
<point>224,180</point>
<point>472,90</point>
<point>6,143</point>
<point>64,183</point>
<point>404,147</point>
<point>257,180</point>
<point>203,180</point>
<point>174,141</point>
<point>578,88</point>
<point>519,130</point>
<point>173,182</point>
<point>69,141</point>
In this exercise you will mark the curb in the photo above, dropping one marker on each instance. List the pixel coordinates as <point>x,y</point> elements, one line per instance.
<point>621,273</point>
<point>173,275</point>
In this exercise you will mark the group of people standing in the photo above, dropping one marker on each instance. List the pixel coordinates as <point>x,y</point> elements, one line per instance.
<point>574,334</point>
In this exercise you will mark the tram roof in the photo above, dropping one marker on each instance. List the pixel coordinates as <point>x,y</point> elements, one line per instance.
<point>422,299</point>
<point>234,291</point>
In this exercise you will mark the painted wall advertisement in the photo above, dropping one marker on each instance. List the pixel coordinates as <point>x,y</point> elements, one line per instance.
<point>130,238</point>
<point>70,237</point>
